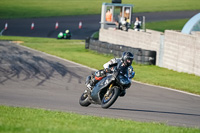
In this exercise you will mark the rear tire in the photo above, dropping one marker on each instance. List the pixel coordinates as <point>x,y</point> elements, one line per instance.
<point>84,100</point>
<point>108,101</point>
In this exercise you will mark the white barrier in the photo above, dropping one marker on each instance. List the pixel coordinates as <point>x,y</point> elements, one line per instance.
<point>176,51</point>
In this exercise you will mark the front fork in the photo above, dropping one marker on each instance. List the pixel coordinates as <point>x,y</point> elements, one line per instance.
<point>108,91</point>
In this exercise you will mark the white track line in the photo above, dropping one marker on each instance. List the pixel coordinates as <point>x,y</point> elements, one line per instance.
<point>80,65</point>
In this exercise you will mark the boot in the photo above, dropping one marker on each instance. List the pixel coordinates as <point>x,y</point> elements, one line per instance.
<point>123,93</point>
<point>92,83</point>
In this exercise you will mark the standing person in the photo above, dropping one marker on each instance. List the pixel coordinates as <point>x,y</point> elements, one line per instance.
<point>137,24</point>
<point>119,21</point>
<point>108,16</point>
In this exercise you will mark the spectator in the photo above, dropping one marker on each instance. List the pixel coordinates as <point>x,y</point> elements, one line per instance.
<point>119,21</point>
<point>126,15</point>
<point>137,24</point>
<point>124,22</point>
<point>108,16</point>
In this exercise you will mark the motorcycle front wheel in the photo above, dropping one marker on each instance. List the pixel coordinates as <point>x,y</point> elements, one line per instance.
<point>84,100</point>
<point>107,101</point>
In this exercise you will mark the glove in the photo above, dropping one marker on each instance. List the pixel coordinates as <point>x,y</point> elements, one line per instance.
<point>107,70</point>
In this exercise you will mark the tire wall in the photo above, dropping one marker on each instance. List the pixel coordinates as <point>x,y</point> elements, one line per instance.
<point>149,40</point>
<point>141,56</point>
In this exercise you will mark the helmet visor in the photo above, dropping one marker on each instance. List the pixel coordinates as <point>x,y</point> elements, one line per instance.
<point>129,61</point>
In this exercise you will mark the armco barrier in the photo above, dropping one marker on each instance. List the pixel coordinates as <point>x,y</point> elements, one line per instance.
<point>141,56</point>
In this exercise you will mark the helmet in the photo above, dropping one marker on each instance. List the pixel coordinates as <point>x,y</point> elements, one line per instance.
<point>67,31</point>
<point>127,58</point>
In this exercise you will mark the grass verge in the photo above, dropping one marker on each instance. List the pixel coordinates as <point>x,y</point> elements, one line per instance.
<point>167,25</point>
<point>23,120</point>
<point>47,8</point>
<point>74,50</point>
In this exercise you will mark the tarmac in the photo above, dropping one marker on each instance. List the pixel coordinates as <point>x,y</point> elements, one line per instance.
<point>29,78</point>
<point>45,27</point>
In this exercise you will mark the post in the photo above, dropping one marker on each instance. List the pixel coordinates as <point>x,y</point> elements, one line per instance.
<point>143,25</point>
<point>103,10</point>
<point>161,51</point>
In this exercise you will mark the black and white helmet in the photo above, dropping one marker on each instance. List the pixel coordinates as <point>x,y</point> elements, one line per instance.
<point>127,58</point>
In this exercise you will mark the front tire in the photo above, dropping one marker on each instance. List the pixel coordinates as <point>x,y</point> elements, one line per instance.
<point>107,101</point>
<point>84,100</point>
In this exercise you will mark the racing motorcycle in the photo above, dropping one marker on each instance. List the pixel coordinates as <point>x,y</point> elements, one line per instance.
<point>106,91</point>
<point>64,35</point>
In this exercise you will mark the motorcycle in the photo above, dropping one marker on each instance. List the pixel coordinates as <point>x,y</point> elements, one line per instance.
<point>108,89</point>
<point>63,35</point>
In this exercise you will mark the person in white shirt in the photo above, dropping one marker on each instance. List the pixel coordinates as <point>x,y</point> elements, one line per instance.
<point>137,24</point>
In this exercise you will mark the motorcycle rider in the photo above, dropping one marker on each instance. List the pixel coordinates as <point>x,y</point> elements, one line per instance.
<point>124,63</point>
<point>67,34</point>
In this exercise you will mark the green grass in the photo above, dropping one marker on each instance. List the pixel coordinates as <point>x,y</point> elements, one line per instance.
<point>23,120</point>
<point>74,50</point>
<point>167,25</point>
<point>47,8</point>
<point>95,35</point>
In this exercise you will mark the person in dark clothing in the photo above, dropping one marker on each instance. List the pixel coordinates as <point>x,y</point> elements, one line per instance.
<point>124,63</point>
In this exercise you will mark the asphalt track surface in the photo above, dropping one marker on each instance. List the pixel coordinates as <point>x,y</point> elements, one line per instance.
<point>30,78</point>
<point>45,27</point>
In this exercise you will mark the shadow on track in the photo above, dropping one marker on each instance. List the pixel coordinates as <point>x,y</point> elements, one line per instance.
<point>51,33</point>
<point>151,111</point>
<point>23,65</point>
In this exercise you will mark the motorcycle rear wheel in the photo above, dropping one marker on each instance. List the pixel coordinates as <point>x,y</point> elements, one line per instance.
<point>107,101</point>
<point>84,100</point>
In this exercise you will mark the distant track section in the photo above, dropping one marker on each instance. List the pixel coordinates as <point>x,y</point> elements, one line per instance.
<point>45,27</point>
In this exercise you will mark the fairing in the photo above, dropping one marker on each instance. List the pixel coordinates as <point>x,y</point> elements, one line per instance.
<point>105,82</point>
